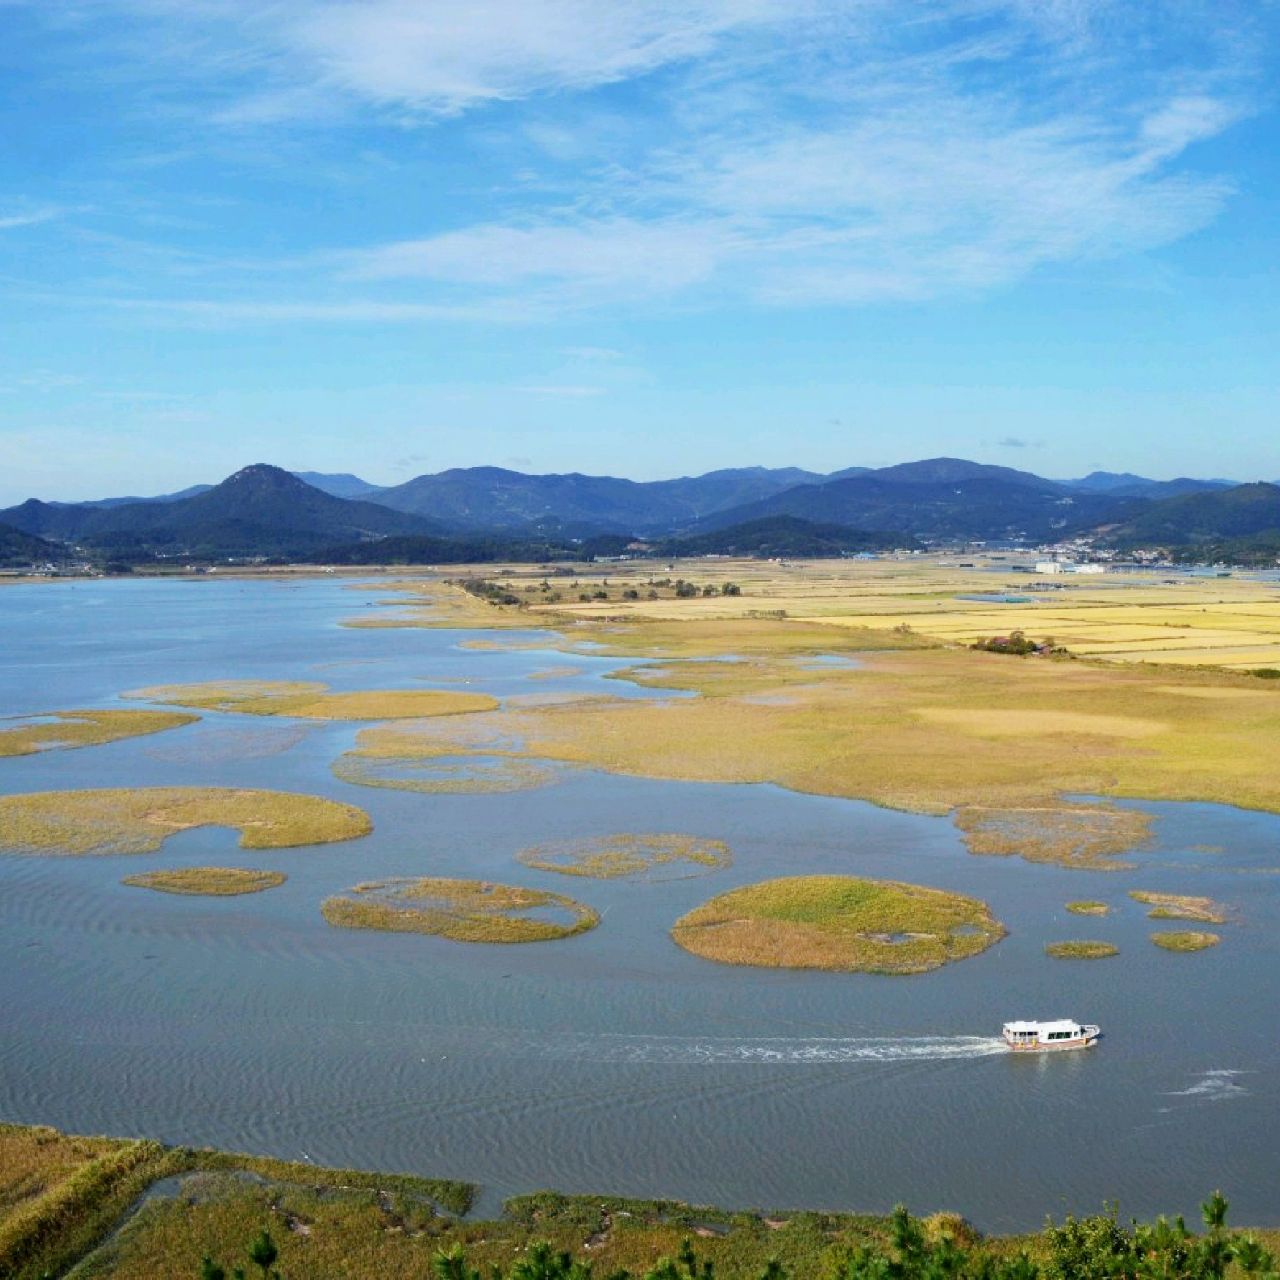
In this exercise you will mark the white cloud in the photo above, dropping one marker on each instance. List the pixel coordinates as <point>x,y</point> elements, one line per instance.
<point>801,152</point>
<point>450,54</point>
<point>30,218</point>
<point>660,256</point>
<point>909,202</point>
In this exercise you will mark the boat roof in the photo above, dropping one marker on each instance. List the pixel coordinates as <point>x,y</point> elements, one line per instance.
<point>1053,1024</point>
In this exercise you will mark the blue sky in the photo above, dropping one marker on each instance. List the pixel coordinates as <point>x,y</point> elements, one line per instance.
<point>646,238</point>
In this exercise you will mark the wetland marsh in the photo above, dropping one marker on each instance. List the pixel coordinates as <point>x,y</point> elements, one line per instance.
<point>615,1061</point>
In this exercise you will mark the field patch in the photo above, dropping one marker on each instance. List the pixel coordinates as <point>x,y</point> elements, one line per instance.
<point>310,700</point>
<point>139,820</point>
<point>63,730</point>
<point>461,910</point>
<point>630,857</point>
<point>214,882</point>
<point>843,923</point>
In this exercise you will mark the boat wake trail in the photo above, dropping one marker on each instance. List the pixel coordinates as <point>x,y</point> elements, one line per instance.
<point>780,1050</point>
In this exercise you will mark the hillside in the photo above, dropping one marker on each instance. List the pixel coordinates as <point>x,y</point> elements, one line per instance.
<point>259,511</point>
<point>942,498</point>
<point>1242,512</point>
<point>1125,484</point>
<point>18,549</point>
<point>494,498</point>
<point>341,484</point>
<point>785,536</point>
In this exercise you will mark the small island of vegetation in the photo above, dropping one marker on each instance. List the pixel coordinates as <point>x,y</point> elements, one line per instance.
<point>1080,949</point>
<point>842,923</point>
<point>1187,940</point>
<point>311,700</point>
<point>214,882</point>
<point>1180,906</point>
<point>1088,907</point>
<point>631,857</point>
<point>61,730</point>
<point>460,910</point>
<point>140,820</point>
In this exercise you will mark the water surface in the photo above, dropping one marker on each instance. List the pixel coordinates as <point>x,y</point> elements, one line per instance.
<point>613,1062</point>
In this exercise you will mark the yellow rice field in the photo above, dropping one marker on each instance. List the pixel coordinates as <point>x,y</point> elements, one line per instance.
<point>1149,616</point>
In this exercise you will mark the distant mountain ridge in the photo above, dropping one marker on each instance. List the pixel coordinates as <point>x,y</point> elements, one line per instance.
<point>1125,484</point>
<point>1243,512</point>
<point>942,498</point>
<point>495,498</point>
<point>260,510</point>
<point>263,510</point>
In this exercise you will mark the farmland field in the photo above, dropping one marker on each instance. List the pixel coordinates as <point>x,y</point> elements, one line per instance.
<point>1148,616</point>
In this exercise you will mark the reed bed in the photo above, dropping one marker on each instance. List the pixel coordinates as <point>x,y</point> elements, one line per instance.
<point>216,882</point>
<point>372,1226</point>
<point>63,730</point>
<point>1180,906</point>
<point>62,1197</point>
<point>311,700</point>
<point>1188,940</point>
<point>139,820</point>
<point>431,603</point>
<point>442,776</point>
<point>858,733</point>
<point>1073,835</point>
<point>1080,949</point>
<point>460,910</point>
<point>842,923</point>
<point>630,857</point>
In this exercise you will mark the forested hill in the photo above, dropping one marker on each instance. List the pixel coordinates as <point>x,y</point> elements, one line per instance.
<point>259,511</point>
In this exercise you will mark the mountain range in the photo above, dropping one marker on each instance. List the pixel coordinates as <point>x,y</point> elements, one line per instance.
<point>264,511</point>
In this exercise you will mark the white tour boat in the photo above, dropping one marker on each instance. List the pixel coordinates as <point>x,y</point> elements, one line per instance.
<point>1061,1033</point>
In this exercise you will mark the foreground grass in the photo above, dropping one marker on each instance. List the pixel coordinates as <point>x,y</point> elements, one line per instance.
<point>838,922</point>
<point>1189,940</point>
<point>461,910</point>
<point>1081,950</point>
<point>60,1196</point>
<point>216,882</point>
<point>309,700</point>
<point>1180,906</point>
<point>140,820</point>
<point>67,729</point>
<point>629,856</point>
<point>70,1206</point>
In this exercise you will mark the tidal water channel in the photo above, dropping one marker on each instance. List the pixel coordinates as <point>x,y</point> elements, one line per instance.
<point>612,1062</point>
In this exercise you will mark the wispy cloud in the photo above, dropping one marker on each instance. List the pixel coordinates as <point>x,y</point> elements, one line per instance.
<point>806,153</point>
<point>452,54</point>
<point>28,218</point>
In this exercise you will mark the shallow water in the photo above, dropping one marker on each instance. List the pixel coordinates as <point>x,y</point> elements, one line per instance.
<point>614,1061</point>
